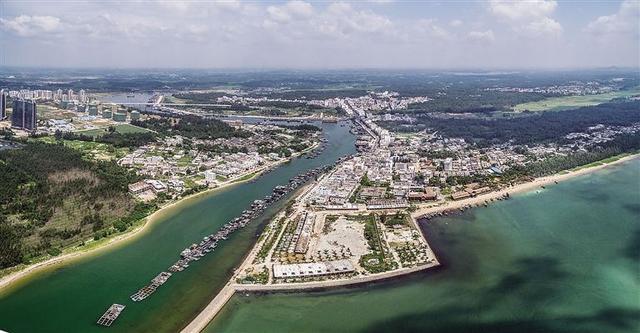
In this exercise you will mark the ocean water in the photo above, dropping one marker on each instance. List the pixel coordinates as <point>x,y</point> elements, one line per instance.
<point>561,259</point>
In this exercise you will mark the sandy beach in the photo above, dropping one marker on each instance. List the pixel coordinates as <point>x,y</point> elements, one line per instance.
<point>537,183</point>
<point>212,309</point>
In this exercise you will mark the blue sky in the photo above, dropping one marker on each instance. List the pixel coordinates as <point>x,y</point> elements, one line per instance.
<point>320,34</point>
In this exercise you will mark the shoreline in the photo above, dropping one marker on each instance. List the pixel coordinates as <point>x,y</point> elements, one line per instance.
<point>15,277</point>
<point>537,183</point>
<point>207,314</point>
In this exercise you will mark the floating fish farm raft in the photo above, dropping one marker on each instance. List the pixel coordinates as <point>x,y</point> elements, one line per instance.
<point>111,315</point>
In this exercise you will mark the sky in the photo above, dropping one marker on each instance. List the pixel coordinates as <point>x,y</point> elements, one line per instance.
<point>320,34</point>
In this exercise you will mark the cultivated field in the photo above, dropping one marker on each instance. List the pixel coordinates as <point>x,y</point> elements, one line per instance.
<point>120,128</point>
<point>572,102</point>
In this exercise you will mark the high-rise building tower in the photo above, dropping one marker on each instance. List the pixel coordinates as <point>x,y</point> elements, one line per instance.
<point>3,105</point>
<point>24,114</point>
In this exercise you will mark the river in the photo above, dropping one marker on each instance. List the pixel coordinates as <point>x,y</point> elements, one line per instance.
<point>562,259</point>
<point>72,296</point>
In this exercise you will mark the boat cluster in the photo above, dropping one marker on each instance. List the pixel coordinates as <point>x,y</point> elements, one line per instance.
<point>149,289</point>
<point>316,152</point>
<point>210,242</point>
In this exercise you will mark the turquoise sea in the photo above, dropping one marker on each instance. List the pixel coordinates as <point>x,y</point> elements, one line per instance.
<point>561,259</point>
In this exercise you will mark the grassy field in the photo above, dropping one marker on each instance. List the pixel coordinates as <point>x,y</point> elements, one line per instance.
<point>93,149</point>
<point>245,177</point>
<point>572,102</point>
<point>120,128</point>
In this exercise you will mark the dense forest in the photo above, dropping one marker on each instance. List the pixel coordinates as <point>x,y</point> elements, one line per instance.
<point>546,126</point>
<point>312,94</point>
<point>191,127</point>
<point>204,97</point>
<point>302,127</point>
<point>52,197</point>
<point>220,109</point>
<point>473,100</point>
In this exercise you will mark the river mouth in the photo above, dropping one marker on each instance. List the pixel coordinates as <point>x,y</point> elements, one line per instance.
<point>71,297</point>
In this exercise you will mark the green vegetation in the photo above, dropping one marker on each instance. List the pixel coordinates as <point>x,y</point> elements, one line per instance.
<point>309,94</point>
<point>191,127</point>
<point>378,259</point>
<point>470,100</point>
<point>112,137</point>
<point>364,181</point>
<point>608,151</point>
<point>52,197</point>
<point>535,128</point>
<point>398,218</point>
<point>602,162</point>
<point>201,98</point>
<point>411,254</point>
<point>280,150</point>
<point>572,102</point>
<point>261,277</point>
<point>120,128</point>
<point>268,244</point>
<point>246,177</point>
<point>90,149</point>
<point>303,127</point>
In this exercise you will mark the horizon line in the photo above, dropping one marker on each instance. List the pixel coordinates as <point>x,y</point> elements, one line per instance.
<point>346,68</point>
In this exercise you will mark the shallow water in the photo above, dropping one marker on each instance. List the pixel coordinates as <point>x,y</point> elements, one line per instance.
<point>562,259</point>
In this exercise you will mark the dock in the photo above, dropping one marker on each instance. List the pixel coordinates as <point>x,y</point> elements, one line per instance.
<point>111,315</point>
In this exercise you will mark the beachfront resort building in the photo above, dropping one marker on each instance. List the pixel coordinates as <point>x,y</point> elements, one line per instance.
<point>312,269</point>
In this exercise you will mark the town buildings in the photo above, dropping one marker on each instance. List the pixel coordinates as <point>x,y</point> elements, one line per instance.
<point>24,114</point>
<point>3,104</point>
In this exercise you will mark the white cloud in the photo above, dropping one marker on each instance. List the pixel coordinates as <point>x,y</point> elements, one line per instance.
<point>26,26</point>
<point>482,36</point>
<point>455,23</point>
<point>542,27</point>
<point>292,10</point>
<point>296,21</point>
<point>341,20</point>
<point>625,21</point>
<point>132,27</point>
<point>430,28</point>
<point>531,18</point>
<point>309,34</point>
<point>522,10</point>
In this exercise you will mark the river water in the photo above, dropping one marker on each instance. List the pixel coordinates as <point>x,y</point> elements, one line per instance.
<point>561,259</point>
<point>71,297</point>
